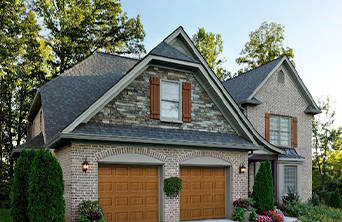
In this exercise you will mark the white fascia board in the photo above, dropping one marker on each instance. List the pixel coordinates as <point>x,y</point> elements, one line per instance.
<point>267,77</point>
<point>290,160</point>
<point>109,95</point>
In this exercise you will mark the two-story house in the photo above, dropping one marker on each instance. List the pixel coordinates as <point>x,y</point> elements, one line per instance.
<point>138,122</point>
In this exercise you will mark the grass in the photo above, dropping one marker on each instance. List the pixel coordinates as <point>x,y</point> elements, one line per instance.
<point>5,215</point>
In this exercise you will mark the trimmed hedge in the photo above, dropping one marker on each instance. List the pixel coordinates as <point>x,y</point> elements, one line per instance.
<point>335,199</point>
<point>46,189</point>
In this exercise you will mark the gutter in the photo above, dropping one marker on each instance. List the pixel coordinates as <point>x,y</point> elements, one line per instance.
<point>68,136</point>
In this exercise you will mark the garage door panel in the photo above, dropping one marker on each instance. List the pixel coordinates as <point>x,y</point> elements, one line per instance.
<point>129,194</point>
<point>203,194</point>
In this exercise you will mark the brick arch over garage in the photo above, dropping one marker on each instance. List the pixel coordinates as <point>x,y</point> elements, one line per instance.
<point>204,153</point>
<point>129,150</point>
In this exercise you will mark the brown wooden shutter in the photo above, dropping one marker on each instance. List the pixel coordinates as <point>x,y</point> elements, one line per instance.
<point>155,97</point>
<point>294,132</point>
<point>186,103</point>
<point>267,127</point>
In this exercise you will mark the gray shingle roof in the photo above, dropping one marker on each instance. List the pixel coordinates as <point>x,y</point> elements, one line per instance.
<point>36,143</point>
<point>71,93</point>
<point>161,134</point>
<point>241,87</point>
<point>166,50</point>
<point>290,153</point>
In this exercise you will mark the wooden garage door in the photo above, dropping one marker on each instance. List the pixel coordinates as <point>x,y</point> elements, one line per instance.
<point>203,194</point>
<point>128,193</point>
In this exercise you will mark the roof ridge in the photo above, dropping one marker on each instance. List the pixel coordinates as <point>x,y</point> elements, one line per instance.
<point>124,57</point>
<point>255,68</point>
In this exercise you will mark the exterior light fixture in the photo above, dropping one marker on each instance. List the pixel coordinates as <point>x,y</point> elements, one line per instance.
<point>242,168</point>
<point>85,165</point>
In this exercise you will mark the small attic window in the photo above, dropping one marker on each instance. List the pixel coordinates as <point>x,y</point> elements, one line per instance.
<point>281,77</point>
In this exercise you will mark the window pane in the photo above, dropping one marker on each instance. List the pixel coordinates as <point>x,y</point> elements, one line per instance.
<point>169,109</point>
<point>289,178</point>
<point>170,91</point>
<point>274,123</point>
<point>285,124</point>
<point>284,138</point>
<point>274,137</point>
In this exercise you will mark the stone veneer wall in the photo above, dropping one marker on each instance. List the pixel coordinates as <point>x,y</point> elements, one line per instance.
<point>132,105</point>
<point>81,186</point>
<point>285,99</point>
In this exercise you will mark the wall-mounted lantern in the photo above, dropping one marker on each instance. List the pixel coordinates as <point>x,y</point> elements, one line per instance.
<point>85,165</point>
<point>242,168</point>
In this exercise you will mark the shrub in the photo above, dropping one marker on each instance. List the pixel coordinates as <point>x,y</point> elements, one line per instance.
<point>46,188</point>
<point>253,216</point>
<point>315,200</point>
<point>320,213</point>
<point>293,209</point>
<point>291,196</point>
<point>244,203</point>
<point>335,199</point>
<point>172,186</point>
<point>263,188</point>
<point>239,214</point>
<point>90,211</point>
<point>19,201</point>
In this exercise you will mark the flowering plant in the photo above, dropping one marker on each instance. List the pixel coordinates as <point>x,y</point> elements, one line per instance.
<point>271,216</point>
<point>264,218</point>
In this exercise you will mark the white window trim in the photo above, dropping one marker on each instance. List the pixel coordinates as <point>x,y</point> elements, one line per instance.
<point>281,182</point>
<point>279,130</point>
<point>285,191</point>
<point>180,108</point>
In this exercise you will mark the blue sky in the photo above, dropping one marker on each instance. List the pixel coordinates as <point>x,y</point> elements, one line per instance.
<point>312,28</point>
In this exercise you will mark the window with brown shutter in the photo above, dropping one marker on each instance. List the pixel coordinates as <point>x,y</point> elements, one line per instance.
<point>267,127</point>
<point>294,132</point>
<point>186,103</point>
<point>155,97</point>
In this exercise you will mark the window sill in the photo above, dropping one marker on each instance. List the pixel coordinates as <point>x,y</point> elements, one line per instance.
<point>166,120</point>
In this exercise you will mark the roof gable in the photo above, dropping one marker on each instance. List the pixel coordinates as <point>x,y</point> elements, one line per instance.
<point>244,87</point>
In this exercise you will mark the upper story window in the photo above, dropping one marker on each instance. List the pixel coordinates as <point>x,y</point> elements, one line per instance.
<point>280,130</point>
<point>170,100</point>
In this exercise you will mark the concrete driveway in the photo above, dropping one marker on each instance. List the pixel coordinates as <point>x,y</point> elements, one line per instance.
<point>287,219</point>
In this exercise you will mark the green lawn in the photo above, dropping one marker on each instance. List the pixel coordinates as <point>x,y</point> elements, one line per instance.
<point>5,215</point>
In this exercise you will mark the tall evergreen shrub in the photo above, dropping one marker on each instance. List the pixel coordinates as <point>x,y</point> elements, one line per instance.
<point>263,189</point>
<point>335,199</point>
<point>46,201</point>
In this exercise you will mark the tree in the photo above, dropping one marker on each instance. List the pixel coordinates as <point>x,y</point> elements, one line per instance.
<point>210,45</point>
<point>263,188</point>
<point>335,199</point>
<point>324,141</point>
<point>19,202</point>
<point>76,29</point>
<point>46,189</point>
<point>265,45</point>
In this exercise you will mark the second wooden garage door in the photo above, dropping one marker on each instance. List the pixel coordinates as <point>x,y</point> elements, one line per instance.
<point>128,193</point>
<point>203,194</point>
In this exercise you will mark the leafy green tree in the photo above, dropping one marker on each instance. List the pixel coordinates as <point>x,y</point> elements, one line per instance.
<point>76,29</point>
<point>335,199</point>
<point>324,141</point>
<point>19,202</point>
<point>265,45</point>
<point>263,189</point>
<point>46,189</point>
<point>210,45</point>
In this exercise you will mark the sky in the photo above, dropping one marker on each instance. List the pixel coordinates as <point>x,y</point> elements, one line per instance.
<point>312,28</point>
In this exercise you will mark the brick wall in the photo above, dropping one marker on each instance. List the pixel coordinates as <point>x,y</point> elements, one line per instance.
<point>132,105</point>
<point>81,186</point>
<point>285,99</point>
